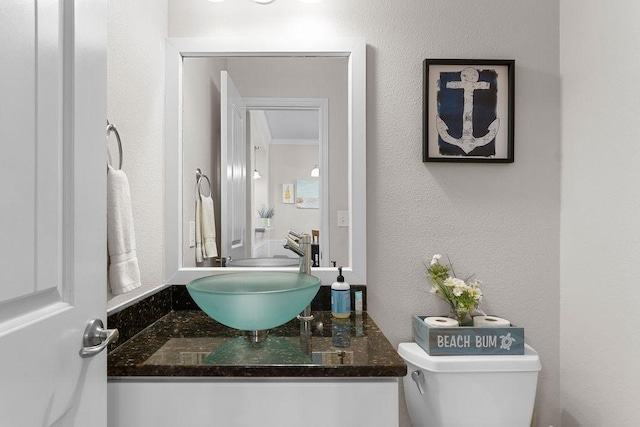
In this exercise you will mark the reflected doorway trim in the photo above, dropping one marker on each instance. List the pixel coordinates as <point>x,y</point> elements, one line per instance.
<point>321,105</point>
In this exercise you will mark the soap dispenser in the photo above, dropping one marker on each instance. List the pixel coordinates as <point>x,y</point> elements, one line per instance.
<point>340,297</point>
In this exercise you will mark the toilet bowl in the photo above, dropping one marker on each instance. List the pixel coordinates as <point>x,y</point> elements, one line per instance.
<point>463,391</point>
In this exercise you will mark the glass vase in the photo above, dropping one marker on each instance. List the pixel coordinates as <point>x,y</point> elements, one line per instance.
<point>462,316</point>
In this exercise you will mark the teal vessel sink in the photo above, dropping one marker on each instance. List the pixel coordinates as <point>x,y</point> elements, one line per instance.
<point>254,301</point>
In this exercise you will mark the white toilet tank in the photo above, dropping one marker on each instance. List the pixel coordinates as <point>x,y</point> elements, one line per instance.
<point>469,391</point>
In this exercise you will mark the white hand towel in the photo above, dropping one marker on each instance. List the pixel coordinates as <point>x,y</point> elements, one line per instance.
<point>207,227</point>
<point>199,257</point>
<point>124,273</point>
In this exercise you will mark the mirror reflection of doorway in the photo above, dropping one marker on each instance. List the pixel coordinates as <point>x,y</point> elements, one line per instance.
<point>287,138</point>
<point>307,85</point>
<point>288,146</point>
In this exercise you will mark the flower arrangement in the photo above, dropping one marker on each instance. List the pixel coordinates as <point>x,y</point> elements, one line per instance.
<point>265,212</point>
<point>463,296</point>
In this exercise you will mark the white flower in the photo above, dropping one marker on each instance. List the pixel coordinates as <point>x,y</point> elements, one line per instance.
<point>476,293</point>
<point>435,259</point>
<point>435,290</point>
<point>452,282</point>
<point>461,288</point>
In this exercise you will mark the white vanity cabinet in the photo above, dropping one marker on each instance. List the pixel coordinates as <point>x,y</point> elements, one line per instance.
<point>238,402</point>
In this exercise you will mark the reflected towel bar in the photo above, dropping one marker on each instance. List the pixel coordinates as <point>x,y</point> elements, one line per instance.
<point>112,128</point>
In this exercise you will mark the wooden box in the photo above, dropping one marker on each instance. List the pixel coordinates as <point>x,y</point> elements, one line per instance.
<point>468,340</point>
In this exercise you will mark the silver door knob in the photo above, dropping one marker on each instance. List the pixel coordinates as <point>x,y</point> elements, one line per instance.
<point>96,338</point>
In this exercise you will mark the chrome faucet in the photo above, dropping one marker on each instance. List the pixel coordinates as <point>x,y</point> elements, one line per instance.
<point>300,244</point>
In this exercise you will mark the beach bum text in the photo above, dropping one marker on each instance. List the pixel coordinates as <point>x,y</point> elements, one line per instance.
<point>480,341</point>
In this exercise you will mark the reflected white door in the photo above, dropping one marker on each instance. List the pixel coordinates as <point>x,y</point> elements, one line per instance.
<point>52,220</point>
<point>233,154</point>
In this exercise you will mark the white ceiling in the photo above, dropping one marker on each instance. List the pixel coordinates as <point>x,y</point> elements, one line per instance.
<point>293,126</point>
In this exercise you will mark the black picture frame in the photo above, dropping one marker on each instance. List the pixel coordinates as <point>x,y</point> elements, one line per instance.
<point>468,111</point>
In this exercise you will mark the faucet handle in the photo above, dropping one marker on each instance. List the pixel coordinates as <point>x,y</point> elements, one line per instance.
<point>299,237</point>
<point>294,234</point>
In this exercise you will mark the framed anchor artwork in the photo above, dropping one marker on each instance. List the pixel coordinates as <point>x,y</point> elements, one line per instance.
<point>468,110</point>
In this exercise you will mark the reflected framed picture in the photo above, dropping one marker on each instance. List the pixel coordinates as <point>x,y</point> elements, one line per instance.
<point>308,194</point>
<point>468,110</point>
<point>288,193</point>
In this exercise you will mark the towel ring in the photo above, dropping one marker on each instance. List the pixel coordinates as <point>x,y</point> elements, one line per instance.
<point>112,128</point>
<point>199,177</point>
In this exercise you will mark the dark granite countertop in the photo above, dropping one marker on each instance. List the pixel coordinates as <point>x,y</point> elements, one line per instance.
<point>188,343</point>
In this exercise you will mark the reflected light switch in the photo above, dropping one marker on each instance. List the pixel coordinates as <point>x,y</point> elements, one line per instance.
<point>343,218</point>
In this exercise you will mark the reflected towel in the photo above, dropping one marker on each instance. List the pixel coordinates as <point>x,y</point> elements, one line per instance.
<point>199,257</point>
<point>205,229</point>
<point>124,273</point>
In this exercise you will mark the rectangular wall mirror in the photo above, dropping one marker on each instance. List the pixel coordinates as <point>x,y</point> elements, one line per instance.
<point>274,125</point>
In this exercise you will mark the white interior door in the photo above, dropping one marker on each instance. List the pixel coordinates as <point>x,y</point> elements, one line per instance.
<point>52,220</point>
<point>233,156</point>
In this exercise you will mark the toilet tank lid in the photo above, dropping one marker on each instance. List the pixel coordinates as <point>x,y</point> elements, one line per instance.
<point>414,354</point>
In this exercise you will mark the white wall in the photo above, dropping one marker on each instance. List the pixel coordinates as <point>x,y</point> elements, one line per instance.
<point>135,105</point>
<point>600,200</point>
<point>499,221</point>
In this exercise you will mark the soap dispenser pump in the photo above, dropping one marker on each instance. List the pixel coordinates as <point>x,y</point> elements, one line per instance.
<point>340,297</point>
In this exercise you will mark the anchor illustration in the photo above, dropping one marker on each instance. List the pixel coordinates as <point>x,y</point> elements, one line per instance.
<point>468,83</point>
